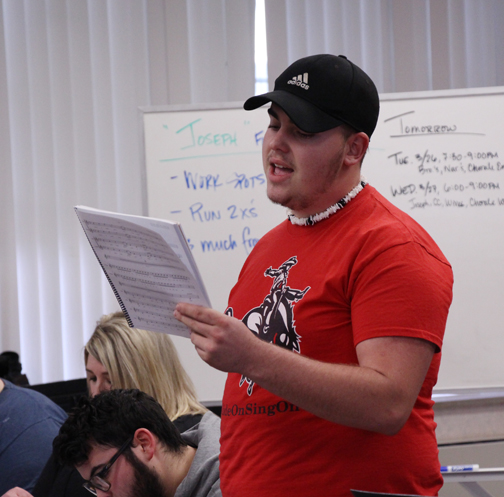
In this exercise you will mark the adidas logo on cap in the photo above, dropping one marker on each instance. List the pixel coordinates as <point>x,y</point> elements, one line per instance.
<point>300,80</point>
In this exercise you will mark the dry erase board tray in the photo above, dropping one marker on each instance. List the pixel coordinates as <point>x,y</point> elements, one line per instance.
<point>467,394</point>
<point>483,474</point>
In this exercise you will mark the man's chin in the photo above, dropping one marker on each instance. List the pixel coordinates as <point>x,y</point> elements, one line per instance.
<point>279,200</point>
<point>146,482</point>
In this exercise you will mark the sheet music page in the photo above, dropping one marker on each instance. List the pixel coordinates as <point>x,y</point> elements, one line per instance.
<point>148,265</point>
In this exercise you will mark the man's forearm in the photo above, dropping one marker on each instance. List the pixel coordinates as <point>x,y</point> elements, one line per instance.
<point>376,394</point>
<point>360,396</point>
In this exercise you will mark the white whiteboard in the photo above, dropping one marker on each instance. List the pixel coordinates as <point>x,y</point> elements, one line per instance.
<point>204,169</point>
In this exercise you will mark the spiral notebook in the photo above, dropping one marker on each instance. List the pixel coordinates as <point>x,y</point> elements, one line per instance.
<point>148,264</point>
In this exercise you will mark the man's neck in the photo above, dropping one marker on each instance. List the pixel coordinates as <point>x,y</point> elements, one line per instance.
<point>2,384</point>
<point>333,209</point>
<point>178,466</point>
<point>346,181</point>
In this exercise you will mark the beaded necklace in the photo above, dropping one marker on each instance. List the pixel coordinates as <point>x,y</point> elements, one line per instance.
<point>315,218</point>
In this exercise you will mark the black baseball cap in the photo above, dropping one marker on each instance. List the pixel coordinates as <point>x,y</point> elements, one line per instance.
<point>321,92</point>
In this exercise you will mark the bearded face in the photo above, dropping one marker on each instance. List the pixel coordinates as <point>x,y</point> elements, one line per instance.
<point>146,483</point>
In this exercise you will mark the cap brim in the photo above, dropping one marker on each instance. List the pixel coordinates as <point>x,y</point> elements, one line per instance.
<point>302,113</point>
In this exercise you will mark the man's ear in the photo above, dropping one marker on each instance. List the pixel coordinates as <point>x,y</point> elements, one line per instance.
<point>356,147</point>
<point>144,444</point>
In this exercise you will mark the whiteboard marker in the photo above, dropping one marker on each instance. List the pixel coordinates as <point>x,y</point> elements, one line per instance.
<point>459,468</point>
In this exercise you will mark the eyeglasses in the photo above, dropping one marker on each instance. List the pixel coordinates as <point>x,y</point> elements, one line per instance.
<point>98,482</point>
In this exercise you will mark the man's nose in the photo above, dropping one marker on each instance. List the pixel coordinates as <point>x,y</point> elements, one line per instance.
<point>279,140</point>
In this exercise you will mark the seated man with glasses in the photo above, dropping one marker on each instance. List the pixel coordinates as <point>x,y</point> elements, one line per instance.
<point>123,444</point>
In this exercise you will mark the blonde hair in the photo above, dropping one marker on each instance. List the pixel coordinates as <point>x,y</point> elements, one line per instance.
<point>136,358</point>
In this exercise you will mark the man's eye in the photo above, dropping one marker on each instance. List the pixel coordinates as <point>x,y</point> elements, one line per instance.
<point>302,134</point>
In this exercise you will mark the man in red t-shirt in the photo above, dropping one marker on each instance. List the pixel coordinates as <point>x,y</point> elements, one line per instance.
<point>349,299</point>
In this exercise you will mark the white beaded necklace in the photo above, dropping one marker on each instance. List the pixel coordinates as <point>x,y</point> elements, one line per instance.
<point>315,218</point>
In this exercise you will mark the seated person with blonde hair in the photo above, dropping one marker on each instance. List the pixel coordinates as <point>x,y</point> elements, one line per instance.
<point>117,356</point>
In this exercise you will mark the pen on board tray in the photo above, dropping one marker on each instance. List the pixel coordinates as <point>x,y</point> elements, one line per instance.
<point>459,468</point>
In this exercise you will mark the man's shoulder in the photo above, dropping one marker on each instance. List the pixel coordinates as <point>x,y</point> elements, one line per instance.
<point>203,477</point>
<point>210,419</point>
<point>390,226</point>
<point>209,424</point>
<point>34,405</point>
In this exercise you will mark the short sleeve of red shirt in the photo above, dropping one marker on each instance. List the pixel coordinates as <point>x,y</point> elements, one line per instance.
<point>402,292</point>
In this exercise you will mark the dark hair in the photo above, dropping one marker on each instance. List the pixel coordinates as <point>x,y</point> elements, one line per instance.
<point>347,130</point>
<point>10,368</point>
<point>109,419</point>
